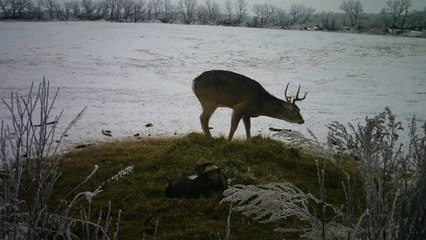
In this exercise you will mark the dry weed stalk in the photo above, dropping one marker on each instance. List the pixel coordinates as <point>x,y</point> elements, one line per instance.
<point>29,171</point>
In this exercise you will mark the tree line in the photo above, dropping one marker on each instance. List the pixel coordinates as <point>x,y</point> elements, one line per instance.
<point>396,14</point>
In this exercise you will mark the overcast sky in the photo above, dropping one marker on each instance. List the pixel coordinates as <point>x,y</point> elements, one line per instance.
<point>370,6</point>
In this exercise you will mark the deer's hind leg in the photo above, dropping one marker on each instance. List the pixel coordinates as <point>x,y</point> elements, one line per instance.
<point>208,110</point>
<point>235,120</point>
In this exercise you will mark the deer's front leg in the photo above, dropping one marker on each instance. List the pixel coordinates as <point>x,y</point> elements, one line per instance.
<point>247,125</point>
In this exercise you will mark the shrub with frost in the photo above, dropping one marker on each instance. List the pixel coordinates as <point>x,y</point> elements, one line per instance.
<point>275,202</point>
<point>393,176</point>
<point>29,171</point>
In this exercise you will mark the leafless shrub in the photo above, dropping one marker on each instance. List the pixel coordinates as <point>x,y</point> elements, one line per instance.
<point>274,202</point>
<point>29,171</point>
<point>394,185</point>
<point>311,145</point>
<point>66,219</point>
<point>390,172</point>
<point>412,220</point>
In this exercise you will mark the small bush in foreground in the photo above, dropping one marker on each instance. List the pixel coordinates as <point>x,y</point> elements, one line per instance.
<point>393,178</point>
<point>29,173</point>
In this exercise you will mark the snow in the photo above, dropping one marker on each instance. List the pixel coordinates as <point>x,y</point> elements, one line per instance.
<point>130,75</point>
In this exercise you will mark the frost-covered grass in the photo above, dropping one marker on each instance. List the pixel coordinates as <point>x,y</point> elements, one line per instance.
<point>140,196</point>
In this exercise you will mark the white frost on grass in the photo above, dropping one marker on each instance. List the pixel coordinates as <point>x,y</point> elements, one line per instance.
<point>133,74</point>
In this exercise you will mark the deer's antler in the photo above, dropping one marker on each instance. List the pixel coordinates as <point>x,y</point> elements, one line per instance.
<point>292,100</point>
<point>297,96</point>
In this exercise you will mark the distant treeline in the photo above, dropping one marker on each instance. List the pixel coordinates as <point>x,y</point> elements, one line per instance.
<point>396,14</point>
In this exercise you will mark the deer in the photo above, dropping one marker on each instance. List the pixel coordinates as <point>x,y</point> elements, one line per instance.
<point>247,98</point>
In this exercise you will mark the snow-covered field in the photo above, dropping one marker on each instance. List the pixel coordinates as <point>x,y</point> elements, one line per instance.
<point>130,75</point>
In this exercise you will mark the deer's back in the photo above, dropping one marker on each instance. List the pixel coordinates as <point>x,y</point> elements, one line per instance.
<point>227,88</point>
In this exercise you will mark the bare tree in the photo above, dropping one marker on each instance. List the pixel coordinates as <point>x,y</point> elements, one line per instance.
<point>241,8</point>
<point>169,10</point>
<point>89,7</point>
<point>353,9</point>
<point>49,5</point>
<point>263,14</point>
<point>119,8</point>
<point>267,11</point>
<point>4,6</point>
<point>110,5</point>
<point>138,10</point>
<point>398,10</point>
<point>295,13</point>
<point>307,14</point>
<point>149,10</point>
<point>228,10</point>
<point>300,14</point>
<point>156,6</point>
<point>281,17</point>
<point>187,9</point>
<point>59,10</point>
<point>202,14</point>
<point>75,6</point>
<point>12,4</point>
<point>103,8</point>
<point>67,9</point>
<point>19,7</point>
<point>417,19</point>
<point>257,10</point>
<point>328,20</point>
<point>127,9</point>
<point>35,11</point>
<point>213,10</point>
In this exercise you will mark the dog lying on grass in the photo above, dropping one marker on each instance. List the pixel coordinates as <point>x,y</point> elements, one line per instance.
<point>207,178</point>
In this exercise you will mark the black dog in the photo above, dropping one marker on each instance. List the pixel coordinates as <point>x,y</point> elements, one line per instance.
<point>208,178</point>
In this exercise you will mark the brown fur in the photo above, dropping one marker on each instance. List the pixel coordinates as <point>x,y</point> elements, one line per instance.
<point>247,98</point>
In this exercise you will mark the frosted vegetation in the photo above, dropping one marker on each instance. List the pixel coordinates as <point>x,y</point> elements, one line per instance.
<point>29,171</point>
<point>393,177</point>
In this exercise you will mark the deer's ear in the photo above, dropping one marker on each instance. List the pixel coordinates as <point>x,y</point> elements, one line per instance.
<point>288,106</point>
<point>292,107</point>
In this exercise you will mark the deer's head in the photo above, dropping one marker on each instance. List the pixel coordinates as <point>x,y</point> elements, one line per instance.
<point>292,111</point>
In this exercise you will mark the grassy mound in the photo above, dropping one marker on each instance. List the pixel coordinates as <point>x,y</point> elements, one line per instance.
<point>147,213</point>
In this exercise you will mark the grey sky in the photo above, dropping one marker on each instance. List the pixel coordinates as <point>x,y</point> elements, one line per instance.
<point>370,6</point>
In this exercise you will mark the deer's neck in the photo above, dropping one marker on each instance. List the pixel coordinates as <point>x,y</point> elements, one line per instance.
<point>272,106</point>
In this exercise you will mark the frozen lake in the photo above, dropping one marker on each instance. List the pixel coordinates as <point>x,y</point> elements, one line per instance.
<point>130,75</point>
